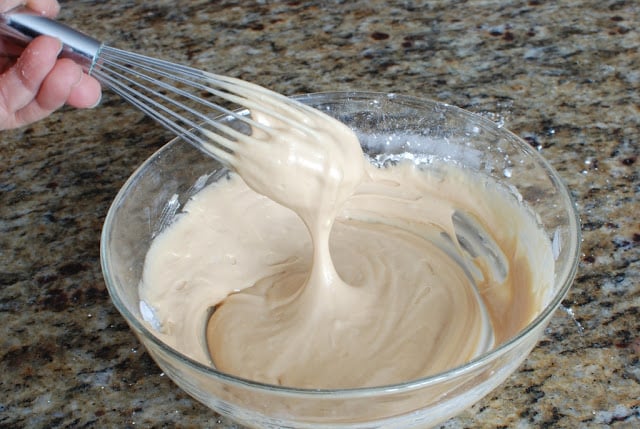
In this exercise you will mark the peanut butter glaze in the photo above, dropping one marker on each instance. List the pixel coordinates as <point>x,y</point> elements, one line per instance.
<point>310,267</point>
<point>432,267</point>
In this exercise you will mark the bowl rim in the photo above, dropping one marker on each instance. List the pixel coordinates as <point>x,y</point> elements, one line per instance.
<point>566,276</point>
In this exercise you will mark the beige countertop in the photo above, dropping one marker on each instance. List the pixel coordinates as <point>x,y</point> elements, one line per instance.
<point>563,75</point>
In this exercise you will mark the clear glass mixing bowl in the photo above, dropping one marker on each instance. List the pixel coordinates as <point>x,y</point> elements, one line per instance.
<point>385,123</point>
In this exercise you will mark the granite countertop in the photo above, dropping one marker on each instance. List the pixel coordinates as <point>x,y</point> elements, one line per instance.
<point>563,75</point>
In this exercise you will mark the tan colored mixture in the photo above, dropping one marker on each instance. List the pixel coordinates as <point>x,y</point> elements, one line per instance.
<point>368,276</point>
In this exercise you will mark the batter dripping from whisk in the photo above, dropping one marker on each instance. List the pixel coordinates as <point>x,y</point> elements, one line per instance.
<point>405,298</point>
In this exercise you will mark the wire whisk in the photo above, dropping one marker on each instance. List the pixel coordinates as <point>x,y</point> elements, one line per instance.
<point>199,106</point>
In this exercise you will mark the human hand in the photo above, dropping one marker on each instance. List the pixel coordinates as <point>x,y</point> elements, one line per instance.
<point>37,83</point>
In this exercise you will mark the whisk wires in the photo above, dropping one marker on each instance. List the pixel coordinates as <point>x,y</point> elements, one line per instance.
<point>200,107</point>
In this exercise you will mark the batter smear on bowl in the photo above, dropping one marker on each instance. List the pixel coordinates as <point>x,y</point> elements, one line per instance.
<point>319,268</point>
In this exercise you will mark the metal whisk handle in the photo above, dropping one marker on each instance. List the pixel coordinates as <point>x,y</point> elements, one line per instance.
<point>21,26</point>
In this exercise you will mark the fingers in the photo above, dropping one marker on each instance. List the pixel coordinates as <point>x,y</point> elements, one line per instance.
<point>65,83</point>
<point>20,83</point>
<point>53,93</point>
<point>40,83</point>
<point>56,86</point>
<point>48,8</point>
<point>85,94</point>
<point>6,5</point>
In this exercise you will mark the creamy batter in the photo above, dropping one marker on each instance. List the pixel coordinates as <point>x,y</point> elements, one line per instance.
<point>317,269</point>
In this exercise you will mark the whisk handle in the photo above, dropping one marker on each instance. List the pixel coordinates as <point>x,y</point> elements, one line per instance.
<point>21,26</point>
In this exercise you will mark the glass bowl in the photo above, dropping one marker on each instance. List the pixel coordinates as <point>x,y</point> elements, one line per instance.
<point>385,124</point>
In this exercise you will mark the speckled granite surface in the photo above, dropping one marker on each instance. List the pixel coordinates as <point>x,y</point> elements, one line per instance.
<point>564,75</point>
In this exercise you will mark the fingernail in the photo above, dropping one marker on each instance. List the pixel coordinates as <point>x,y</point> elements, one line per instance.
<point>80,77</point>
<point>60,47</point>
<point>97,102</point>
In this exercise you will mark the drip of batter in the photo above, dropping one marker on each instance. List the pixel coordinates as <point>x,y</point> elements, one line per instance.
<point>421,282</point>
